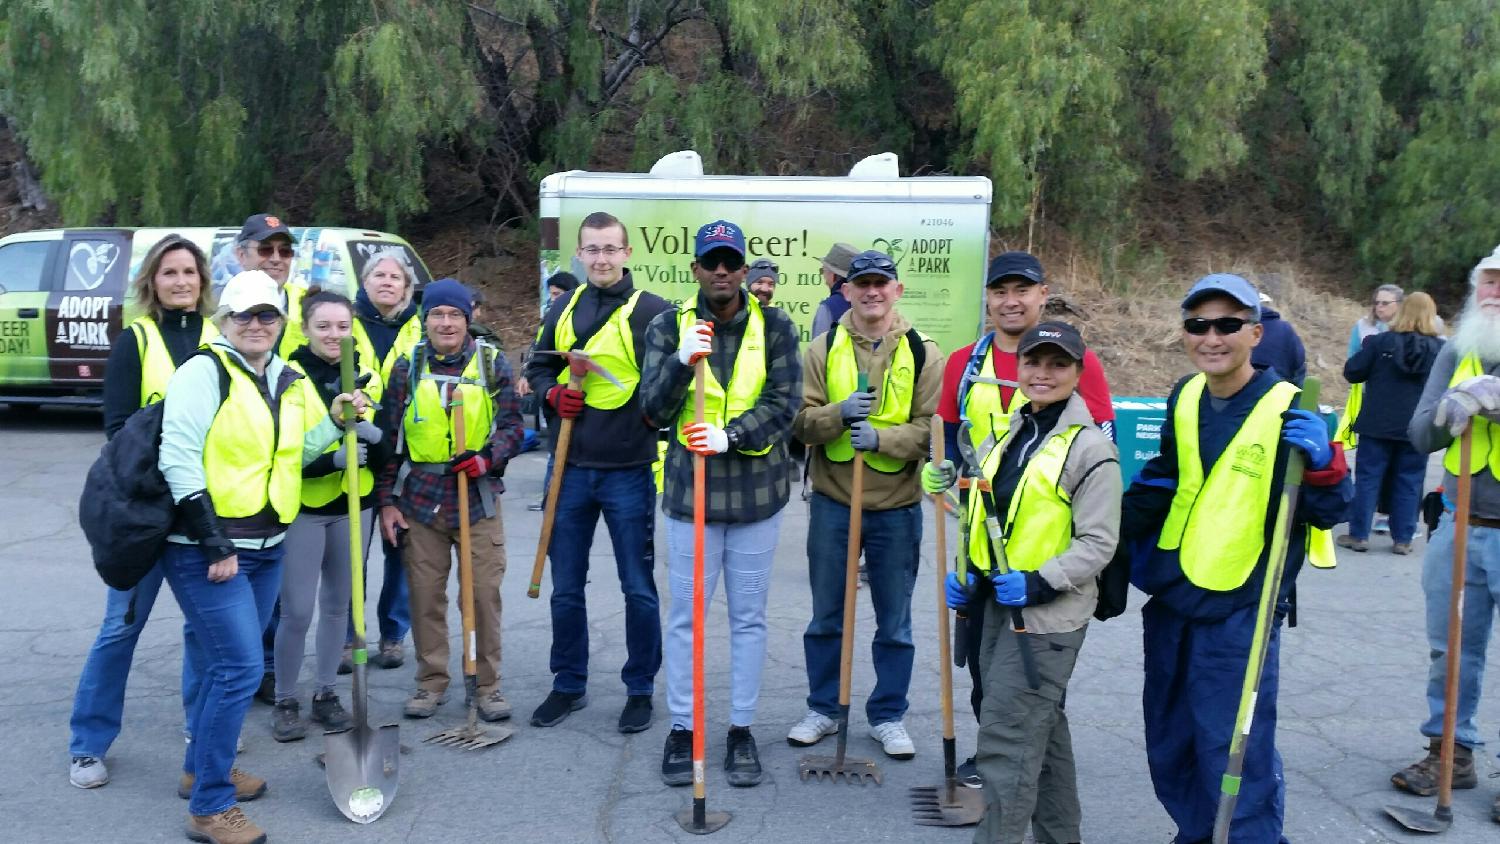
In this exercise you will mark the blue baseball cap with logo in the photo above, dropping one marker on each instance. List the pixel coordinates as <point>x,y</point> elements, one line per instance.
<point>720,234</point>
<point>1224,284</point>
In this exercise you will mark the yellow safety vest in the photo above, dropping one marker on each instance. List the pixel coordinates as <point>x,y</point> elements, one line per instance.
<point>720,407</point>
<point>409,335</point>
<point>1345,433</point>
<point>251,459</point>
<point>1039,522</point>
<point>317,492</point>
<point>988,413</point>
<point>1220,542</point>
<point>291,332</point>
<point>612,347</point>
<point>1486,445</point>
<point>892,405</point>
<point>156,361</point>
<point>428,429</point>
<point>658,466</point>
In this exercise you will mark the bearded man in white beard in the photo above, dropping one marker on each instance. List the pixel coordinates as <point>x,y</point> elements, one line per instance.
<point>1462,390</point>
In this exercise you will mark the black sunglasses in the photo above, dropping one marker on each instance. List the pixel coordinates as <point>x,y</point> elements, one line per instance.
<point>730,260</point>
<point>1225,325</point>
<point>859,265</point>
<point>264,317</point>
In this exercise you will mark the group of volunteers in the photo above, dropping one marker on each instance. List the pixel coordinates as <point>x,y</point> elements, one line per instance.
<point>251,447</point>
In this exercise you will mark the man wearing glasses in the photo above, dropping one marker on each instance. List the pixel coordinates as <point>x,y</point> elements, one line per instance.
<point>266,244</point>
<point>1200,518</point>
<point>890,422</point>
<point>608,470</point>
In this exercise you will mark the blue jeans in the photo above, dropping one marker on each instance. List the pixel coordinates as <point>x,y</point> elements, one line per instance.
<point>393,609</point>
<point>99,703</point>
<point>626,498</point>
<point>1397,469</point>
<point>890,539</point>
<point>1481,595</point>
<point>227,620</point>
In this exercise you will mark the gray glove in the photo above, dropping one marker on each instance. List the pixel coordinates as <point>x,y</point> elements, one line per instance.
<point>863,436</point>
<point>341,457</point>
<point>367,433</point>
<point>1477,395</point>
<point>857,407</point>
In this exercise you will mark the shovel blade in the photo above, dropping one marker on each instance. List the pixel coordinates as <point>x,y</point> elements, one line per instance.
<point>1421,820</point>
<point>362,766</point>
<point>931,806</point>
<point>829,768</point>
<point>712,821</point>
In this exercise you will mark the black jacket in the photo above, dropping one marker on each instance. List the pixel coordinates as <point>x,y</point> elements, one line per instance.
<point>1280,348</point>
<point>1393,366</point>
<point>325,378</point>
<point>180,330</point>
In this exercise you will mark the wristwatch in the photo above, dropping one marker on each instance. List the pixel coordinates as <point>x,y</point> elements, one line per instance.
<point>733,435</point>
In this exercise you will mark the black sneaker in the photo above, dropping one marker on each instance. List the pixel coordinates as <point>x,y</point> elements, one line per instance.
<point>677,758</point>
<point>286,721</point>
<point>636,716</point>
<point>538,505</point>
<point>558,706</point>
<point>968,774</point>
<point>330,713</point>
<point>266,693</point>
<point>741,759</point>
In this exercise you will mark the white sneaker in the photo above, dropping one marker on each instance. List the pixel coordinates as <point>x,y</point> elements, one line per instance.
<point>1382,524</point>
<point>88,772</point>
<point>811,729</point>
<point>894,740</point>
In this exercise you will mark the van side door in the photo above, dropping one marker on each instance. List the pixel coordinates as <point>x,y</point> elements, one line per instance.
<point>84,307</point>
<point>25,271</point>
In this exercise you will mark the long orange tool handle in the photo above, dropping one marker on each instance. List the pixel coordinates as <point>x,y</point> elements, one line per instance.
<point>554,488</point>
<point>700,483</point>
<point>465,567</point>
<point>1455,620</point>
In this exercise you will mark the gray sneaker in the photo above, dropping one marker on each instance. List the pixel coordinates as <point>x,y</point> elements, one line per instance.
<point>286,721</point>
<point>88,772</point>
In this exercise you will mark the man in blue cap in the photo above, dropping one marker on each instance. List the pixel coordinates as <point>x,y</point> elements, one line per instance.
<point>1199,519</point>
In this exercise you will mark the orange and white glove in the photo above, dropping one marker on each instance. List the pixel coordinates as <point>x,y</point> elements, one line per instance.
<point>706,439</point>
<point>695,343</point>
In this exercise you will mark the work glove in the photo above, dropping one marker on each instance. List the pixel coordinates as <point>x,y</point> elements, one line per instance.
<point>341,457</point>
<point>939,478</point>
<point>857,407</point>
<point>696,342</point>
<point>567,402</point>
<point>1010,588</point>
<point>955,592</point>
<point>1458,405</point>
<point>368,432</point>
<point>1303,429</point>
<point>471,463</point>
<point>863,436</point>
<point>706,439</point>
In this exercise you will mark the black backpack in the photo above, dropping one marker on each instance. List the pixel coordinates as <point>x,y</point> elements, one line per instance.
<point>126,509</point>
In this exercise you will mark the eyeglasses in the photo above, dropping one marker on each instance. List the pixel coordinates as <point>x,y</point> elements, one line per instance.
<point>862,264</point>
<point>1225,325</point>
<point>870,281</point>
<point>266,250</point>
<point>263,317</point>
<point>606,251</point>
<point>1380,303</point>
<point>730,260</point>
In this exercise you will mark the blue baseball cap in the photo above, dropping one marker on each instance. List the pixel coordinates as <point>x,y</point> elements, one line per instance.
<point>1019,265</point>
<point>716,235</point>
<point>872,262</point>
<point>1224,284</point>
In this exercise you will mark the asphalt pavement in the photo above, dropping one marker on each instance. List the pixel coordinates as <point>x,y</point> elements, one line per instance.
<point>1353,674</point>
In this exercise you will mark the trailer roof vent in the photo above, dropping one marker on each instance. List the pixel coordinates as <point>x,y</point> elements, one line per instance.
<point>681,164</point>
<point>882,166</point>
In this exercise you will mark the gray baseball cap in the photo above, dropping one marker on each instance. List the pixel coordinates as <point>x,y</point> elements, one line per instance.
<point>838,258</point>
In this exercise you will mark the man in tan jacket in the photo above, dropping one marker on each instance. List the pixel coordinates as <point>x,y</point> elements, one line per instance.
<point>889,421</point>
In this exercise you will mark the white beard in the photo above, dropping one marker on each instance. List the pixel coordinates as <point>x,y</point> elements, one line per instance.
<point>1478,333</point>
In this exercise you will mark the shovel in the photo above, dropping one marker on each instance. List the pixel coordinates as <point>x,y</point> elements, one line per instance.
<point>1442,817</point>
<point>948,804</point>
<point>470,736</point>
<point>361,764</point>
<point>833,767</point>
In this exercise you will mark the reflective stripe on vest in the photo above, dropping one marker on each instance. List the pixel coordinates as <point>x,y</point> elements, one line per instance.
<point>1220,542</point>
<point>1039,522</point>
<point>156,361</point>
<point>746,378</point>
<point>892,404</point>
<point>317,492</point>
<point>987,413</point>
<point>612,347</point>
<point>407,336</point>
<point>428,430</point>
<point>250,459</point>
<point>1486,436</point>
<point>291,332</point>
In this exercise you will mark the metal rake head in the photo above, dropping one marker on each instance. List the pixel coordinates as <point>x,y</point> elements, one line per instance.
<point>941,806</point>
<point>470,738</point>
<point>830,769</point>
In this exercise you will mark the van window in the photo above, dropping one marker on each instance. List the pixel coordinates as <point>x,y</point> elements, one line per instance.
<point>363,250</point>
<point>21,265</point>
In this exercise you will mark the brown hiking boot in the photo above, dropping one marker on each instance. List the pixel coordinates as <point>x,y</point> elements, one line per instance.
<point>227,827</point>
<point>247,787</point>
<point>389,655</point>
<point>1421,777</point>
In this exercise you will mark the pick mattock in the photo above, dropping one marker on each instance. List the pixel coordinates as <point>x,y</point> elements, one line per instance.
<point>833,767</point>
<point>1442,816</point>
<point>577,369</point>
<point>470,736</point>
<point>1260,641</point>
<point>698,820</point>
<point>949,804</point>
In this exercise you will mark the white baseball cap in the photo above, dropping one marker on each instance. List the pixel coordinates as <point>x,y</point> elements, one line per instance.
<point>1490,261</point>
<point>247,291</point>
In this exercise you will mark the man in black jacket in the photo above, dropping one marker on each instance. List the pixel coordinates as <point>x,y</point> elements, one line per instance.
<point>607,470</point>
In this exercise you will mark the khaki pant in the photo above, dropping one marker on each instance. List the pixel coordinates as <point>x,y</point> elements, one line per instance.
<point>428,554</point>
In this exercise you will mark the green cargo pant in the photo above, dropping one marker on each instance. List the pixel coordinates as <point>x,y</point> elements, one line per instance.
<point>1025,750</point>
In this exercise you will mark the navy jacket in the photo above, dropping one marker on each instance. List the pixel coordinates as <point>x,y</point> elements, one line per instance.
<point>1393,365</point>
<point>1280,348</point>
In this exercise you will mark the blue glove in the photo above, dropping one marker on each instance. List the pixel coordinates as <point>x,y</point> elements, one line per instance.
<point>956,592</point>
<point>1010,589</point>
<point>1303,429</point>
<point>862,436</point>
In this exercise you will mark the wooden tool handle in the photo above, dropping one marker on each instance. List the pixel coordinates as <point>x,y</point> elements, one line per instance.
<point>465,569</point>
<point>940,565</point>
<point>1461,506</point>
<point>554,488</point>
<point>851,564</point>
